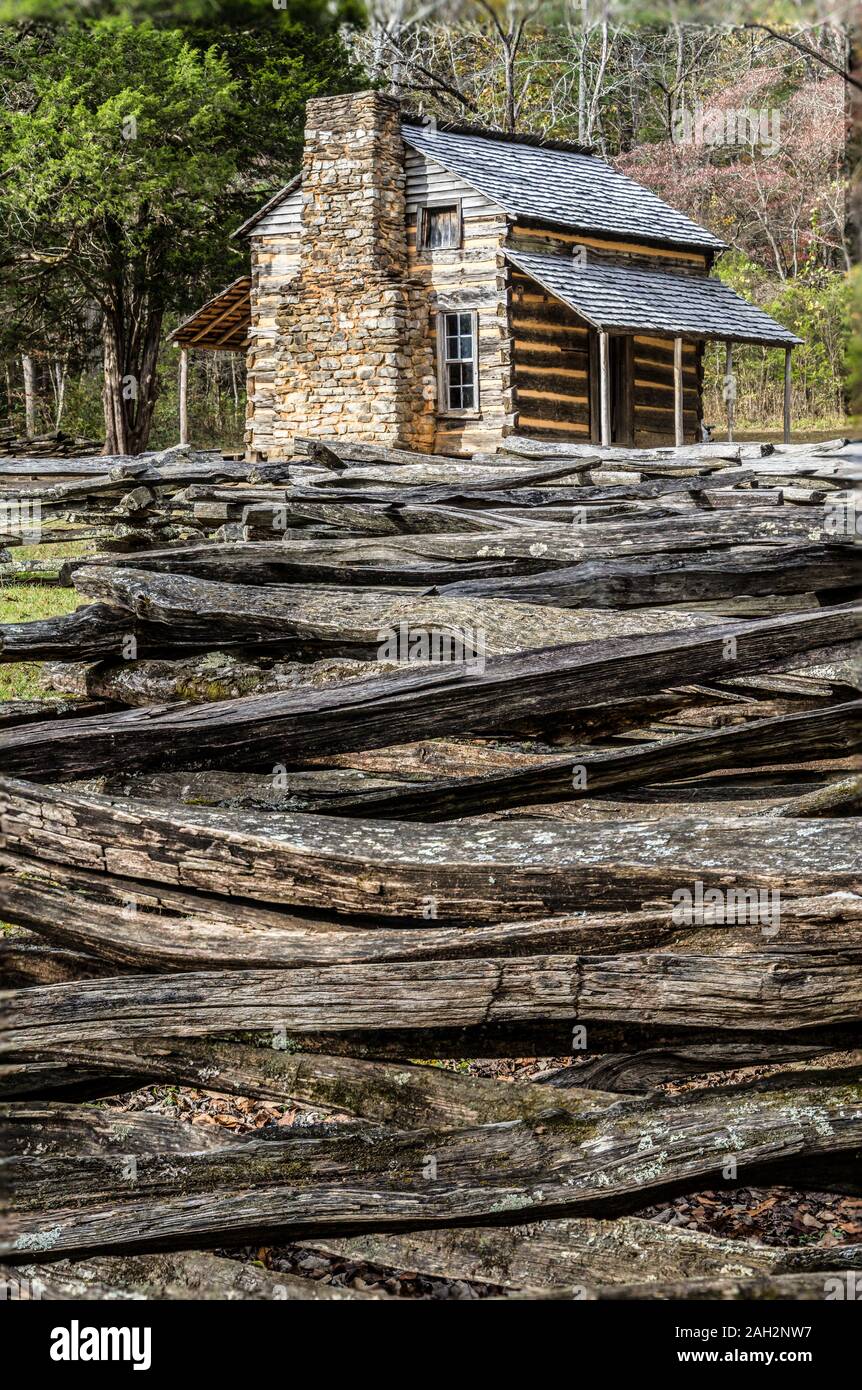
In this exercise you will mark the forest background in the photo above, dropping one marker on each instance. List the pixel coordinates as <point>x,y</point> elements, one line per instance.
<point>135,138</point>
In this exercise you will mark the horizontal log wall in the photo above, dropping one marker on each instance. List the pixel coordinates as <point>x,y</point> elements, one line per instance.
<point>472,276</point>
<point>537,374</point>
<point>553,241</point>
<point>653,390</point>
<point>551,364</point>
<point>653,356</point>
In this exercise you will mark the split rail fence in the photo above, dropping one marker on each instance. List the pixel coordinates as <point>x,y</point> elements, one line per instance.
<point>366,757</point>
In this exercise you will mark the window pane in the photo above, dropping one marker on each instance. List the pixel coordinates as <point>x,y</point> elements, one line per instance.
<point>460,385</point>
<point>441,227</point>
<point>458,348</point>
<point>459,338</point>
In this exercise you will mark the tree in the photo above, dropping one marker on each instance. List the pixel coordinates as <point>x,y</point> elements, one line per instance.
<point>131,151</point>
<point>118,153</point>
<point>779,200</point>
<point>454,56</point>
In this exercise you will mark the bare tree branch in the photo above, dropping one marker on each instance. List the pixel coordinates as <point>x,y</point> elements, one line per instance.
<point>809,52</point>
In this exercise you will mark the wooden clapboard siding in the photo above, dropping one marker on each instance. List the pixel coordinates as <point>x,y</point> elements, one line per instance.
<point>551,363</point>
<point>275,251</point>
<point>473,276</point>
<point>285,219</point>
<point>427,181</point>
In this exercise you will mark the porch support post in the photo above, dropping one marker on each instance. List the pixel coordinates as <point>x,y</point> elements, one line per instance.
<point>729,389</point>
<point>604,389</point>
<point>679,437</point>
<point>787,390</point>
<point>184,395</point>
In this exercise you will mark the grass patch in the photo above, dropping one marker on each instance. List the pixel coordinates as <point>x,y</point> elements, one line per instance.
<point>26,601</point>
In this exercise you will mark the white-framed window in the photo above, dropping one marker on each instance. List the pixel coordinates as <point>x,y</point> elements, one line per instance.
<point>439,226</point>
<point>458,361</point>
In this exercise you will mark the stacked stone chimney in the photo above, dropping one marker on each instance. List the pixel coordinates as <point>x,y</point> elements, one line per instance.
<point>353,353</point>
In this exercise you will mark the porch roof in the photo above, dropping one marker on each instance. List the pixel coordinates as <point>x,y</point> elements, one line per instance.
<point>625,300</point>
<point>220,324</point>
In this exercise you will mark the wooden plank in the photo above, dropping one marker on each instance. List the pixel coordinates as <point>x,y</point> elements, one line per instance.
<point>185,1275</point>
<point>835,730</point>
<point>765,993</point>
<point>393,1093</point>
<point>638,1072</point>
<point>547,406</point>
<point>13,713</point>
<point>397,707</point>
<point>92,631</point>
<point>683,578</point>
<point>502,1173</point>
<point>129,923</point>
<point>666,252</point>
<point>679,435</point>
<point>557,1254</point>
<point>604,391</point>
<point>458,872</point>
<point>657,396</point>
<point>71,1131</point>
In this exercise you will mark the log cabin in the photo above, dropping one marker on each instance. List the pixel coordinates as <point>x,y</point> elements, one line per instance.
<point>439,288</point>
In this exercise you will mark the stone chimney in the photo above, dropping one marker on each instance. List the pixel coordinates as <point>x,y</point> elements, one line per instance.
<point>353,351</point>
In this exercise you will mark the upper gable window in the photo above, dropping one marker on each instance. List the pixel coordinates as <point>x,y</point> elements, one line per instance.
<point>439,227</point>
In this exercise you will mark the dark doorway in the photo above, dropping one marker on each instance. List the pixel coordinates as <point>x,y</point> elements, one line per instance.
<point>621,362</point>
<point>621,373</point>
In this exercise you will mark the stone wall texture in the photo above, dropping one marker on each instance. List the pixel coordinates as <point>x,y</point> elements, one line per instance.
<point>352,355</point>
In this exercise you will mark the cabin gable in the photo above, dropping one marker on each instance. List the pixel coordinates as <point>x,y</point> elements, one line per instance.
<point>468,279</point>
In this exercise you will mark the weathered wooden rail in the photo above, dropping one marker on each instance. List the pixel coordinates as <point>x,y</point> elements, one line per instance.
<point>622,824</point>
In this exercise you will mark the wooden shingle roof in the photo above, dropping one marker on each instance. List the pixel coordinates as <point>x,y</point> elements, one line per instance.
<point>657,301</point>
<point>559,186</point>
<point>220,324</point>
